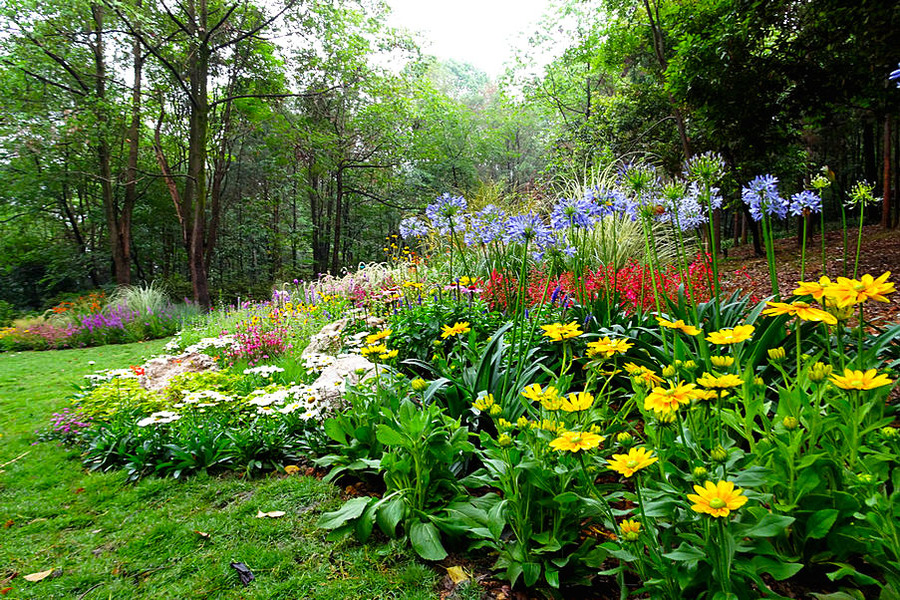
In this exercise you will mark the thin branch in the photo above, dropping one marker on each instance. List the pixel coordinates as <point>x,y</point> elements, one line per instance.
<point>221,22</point>
<point>56,58</point>
<point>44,79</point>
<point>375,198</point>
<point>181,25</point>
<point>258,28</point>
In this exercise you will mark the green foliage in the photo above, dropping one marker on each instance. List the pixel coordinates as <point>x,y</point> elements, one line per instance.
<point>119,395</point>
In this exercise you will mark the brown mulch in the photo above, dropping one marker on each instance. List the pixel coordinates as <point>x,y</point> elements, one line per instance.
<point>880,252</point>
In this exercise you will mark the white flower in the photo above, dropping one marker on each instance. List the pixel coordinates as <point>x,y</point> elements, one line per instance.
<point>263,370</point>
<point>91,362</point>
<point>164,416</point>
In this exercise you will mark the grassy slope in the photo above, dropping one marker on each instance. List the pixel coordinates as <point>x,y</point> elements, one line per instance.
<point>113,539</point>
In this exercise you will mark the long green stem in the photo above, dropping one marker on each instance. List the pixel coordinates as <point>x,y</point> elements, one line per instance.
<point>803,251</point>
<point>862,206</point>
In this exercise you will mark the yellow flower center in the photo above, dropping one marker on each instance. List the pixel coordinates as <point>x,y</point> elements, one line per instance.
<point>631,464</point>
<point>717,503</point>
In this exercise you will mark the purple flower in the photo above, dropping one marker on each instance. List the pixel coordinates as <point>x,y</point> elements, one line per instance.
<point>805,203</point>
<point>486,226</point>
<point>895,76</point>
<point>447,213</point>
<point>761,195</point>
<point>529,229</point>
<point>413,226</point>
<point>575,212</point>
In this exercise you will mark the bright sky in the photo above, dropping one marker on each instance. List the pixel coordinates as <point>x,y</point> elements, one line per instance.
<point>480,32</point>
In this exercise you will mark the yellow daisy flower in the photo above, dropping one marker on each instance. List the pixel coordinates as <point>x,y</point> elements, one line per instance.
<point>816,289</point>
<point>717,499</point>
<point>801,310</point>
<point>457,329</point>
<point>729,380</point>
<point>376,349</point>
<point>607,347</point>
<point>575,441</point>
<point>846,292</point>
<point>631,463</point>
<point>375,337</point>
<point>721,362</point>
<point>558,332</point>
<point>740,333</point>
<point>857,380</point>
<point>680,325</point>
<point>662,400</point>
<point>631,530</point>
<point>576,402</point>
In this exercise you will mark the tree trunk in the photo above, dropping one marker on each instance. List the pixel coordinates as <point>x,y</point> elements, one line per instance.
<point>886,202</point>
<point>134,140</point>
<point>338,218</point>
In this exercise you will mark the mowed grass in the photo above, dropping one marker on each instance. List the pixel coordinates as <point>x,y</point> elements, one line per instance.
<point>159,538</point>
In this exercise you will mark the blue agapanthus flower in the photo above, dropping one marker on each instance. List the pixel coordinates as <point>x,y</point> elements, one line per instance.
<point>486,226</point>
<point>529,229</point>
<point>761,195</point>
<point>640,181</point>
<point>413,227</point>
<point>447,213</point>
<point>608,202</point>
<point>895,76</point>
<point>805,203</point>
<point>691,210</point>
<point>572,212</point>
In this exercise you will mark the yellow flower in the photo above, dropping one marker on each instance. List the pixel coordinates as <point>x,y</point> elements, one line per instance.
<point>413,284</point>
<point>721,362</point>
<point>548,425</point>
<point>419,384</point>
<point>846,292</point>
<point>662,400</point>
<point>291,469</point>
<point>643,375</point>
<point>717,499</point>
<point>740,333</point>
<point>558,332</point>
<point>708,394</point>
<point>575,441</point>
<point>484,402</point>
<point>819,371</point>
<point>523,422</point>
<point>857,380</point>
<point>388,355</point>
<point>631,530</point>
<point>376,349</point>
<point>608,347</point>
<point>800,309</point>
<point>813,288</point>
<point>457,329</point>
<point>384,333</point>
<point>776,354</point>
<point>631,463</point>
<point>679,325</point>
<point>577,402</point>
<point>729,380</point>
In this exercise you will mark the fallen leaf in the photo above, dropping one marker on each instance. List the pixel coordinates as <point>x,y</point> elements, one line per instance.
<point>79,490</point>
<point>202,534</point>
<point>5,591</point>
<point>291,469</point>
<point>39,576</point>
<point>457,574</point>
<point>273,514</point>
<point>9,524</point>
<point>243,572</point>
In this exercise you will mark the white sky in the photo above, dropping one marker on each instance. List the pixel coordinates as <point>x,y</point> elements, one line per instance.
<point>480,32</point>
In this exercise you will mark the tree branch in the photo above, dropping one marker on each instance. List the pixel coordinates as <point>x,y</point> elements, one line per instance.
<point>256,29</point>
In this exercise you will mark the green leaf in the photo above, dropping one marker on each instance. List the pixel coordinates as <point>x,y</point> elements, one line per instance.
<point>389,516</point>
<point>530,573</point>
<point>685,553</point>
<point>426,541</point>
<point>389,437</point>
<point>821,522</point>
<point>334,430</point>
<point>350,510</point>
<point>778,569</point>
<point>768,526</point>
<point>846,570</point>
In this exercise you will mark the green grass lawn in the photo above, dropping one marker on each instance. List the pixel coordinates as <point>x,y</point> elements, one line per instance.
<point>107,538</point>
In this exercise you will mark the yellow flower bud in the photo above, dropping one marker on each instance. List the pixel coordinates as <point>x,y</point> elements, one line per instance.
<point>776,354</point>
<point>419,384</point>
<point>668,371</point>
<point>819,372</point>
<point>699,473</point>
<point>719,454</point>
<point>625,438</point>
<point>504,440</point>
<point>790,423</point>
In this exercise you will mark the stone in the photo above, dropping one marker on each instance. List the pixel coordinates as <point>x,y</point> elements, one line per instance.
<point>158,371</point>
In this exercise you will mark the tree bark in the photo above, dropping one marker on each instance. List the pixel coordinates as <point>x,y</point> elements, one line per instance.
<point>886,201</point>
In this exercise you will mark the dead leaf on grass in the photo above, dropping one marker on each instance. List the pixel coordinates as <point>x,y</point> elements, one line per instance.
<point>202,534</point>
<point>39,576</point>
<point>291,469</point>
<point>272,515</point>
<point>457,574</point>
<point>5,591</point>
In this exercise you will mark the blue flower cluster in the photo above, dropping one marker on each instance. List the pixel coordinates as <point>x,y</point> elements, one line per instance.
<point>895,76</point>
<point>447,213</point>
<point>805,203</point>
<point>761,195</point>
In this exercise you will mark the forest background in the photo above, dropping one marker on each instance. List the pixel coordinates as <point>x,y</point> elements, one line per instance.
<point>221,147</point>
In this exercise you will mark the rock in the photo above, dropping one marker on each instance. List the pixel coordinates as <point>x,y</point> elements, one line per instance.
<point>158,371</point>
<point>327,341</point>
<point>351,368</point>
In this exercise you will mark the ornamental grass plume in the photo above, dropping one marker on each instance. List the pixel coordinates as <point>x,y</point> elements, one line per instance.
<point>576,441</point>
<point>717,499</point>
<point>859,380</point>
<point>629,464</point>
